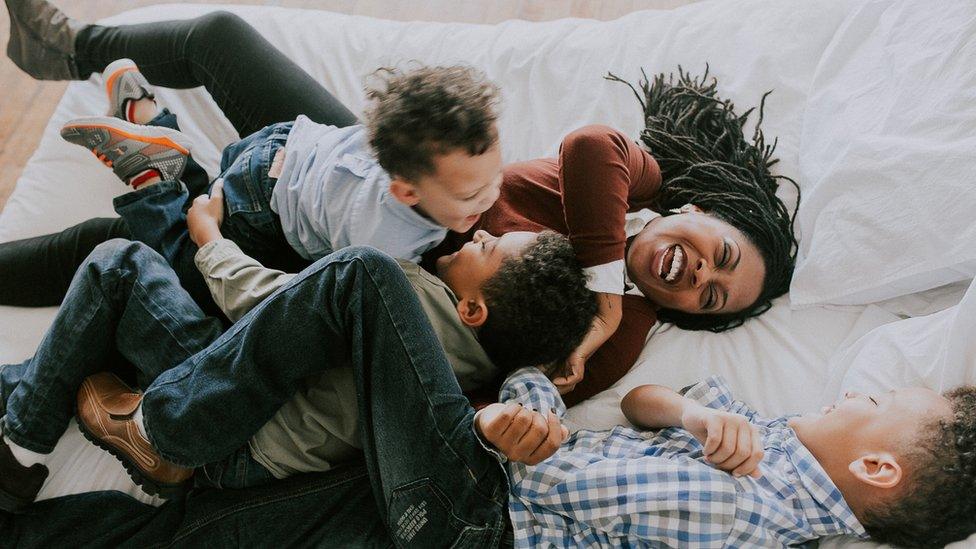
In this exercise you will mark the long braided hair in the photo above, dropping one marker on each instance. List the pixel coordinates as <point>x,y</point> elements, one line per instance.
<point>697,139</point>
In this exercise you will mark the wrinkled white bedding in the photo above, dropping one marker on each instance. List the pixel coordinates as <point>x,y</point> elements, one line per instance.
<point>551,76</point>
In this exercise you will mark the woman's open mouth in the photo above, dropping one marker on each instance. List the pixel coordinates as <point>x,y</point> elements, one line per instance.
<point>671,264</point>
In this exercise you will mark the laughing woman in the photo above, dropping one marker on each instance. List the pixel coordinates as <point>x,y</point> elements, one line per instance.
<point>686,228</point>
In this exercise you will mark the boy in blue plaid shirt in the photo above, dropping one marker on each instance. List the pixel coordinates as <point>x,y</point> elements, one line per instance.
<point>711,472</point>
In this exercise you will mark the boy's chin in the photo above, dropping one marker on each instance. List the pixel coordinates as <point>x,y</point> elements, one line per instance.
<point>441,263</point>
<point>466,224</point>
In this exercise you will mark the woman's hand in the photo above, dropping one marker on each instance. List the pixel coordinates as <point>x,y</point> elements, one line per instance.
<point>609,312</point>
<point>204,217</point>
<point>571,374</point>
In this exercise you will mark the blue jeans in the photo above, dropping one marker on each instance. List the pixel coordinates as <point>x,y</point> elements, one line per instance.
<point>433,481</point>
<point>331,509</point>
<point>124,312</point>
<point>432,484</point>
<point>156,214</point>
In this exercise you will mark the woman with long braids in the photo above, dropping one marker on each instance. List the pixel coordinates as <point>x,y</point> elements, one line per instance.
<point>686,228</point>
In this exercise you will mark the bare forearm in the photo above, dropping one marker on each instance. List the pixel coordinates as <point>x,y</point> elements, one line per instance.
<point>655,407</point>
<point>606,322</point>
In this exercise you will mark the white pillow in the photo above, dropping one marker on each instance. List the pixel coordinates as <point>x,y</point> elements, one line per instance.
<point>887,156</point>
<point>937,351</point>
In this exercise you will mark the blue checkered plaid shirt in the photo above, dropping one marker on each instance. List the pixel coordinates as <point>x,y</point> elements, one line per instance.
<point>628,488</point>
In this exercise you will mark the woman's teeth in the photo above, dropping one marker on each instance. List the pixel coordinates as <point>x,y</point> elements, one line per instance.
<point>677,264</point>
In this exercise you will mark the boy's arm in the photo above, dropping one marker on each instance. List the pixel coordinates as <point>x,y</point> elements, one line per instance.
<point>617,355</point>
<point>731,443</point>
<point>237,281</point>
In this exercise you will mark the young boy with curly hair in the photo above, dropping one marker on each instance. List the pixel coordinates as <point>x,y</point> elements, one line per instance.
<point>705,470</point>
<point>426,160</point>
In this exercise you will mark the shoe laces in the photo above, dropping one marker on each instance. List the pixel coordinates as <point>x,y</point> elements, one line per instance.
<point>104,159</point>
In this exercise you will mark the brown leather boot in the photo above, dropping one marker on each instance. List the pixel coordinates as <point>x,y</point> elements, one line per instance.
<point>106,406</point>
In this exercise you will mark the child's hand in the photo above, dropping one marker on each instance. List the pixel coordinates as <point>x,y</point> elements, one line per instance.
<point>731,443</point>
<point>521,434</point>
<point>204,217</point>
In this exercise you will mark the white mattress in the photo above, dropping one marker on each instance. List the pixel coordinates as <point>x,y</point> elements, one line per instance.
<point>551,76</point>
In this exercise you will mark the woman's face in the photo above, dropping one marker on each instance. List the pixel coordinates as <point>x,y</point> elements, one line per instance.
<point>695,263</point>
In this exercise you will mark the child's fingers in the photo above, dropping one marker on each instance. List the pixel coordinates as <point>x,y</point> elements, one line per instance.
<point>534,437</point>
<point>713,437</point>
<point>751,466</point>
<point>742,451</point>
<point>551,444</point>
<point>496,426</point>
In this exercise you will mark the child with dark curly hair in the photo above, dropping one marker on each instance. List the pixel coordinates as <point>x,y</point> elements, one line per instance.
<point>706,470</point>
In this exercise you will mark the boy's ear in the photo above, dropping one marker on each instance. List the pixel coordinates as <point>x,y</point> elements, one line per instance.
<point>473,312</point>
<point>880,470</point>
<point>404,191</point>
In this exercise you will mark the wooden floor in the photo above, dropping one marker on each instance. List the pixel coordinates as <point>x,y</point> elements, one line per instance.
<point>26,104</point>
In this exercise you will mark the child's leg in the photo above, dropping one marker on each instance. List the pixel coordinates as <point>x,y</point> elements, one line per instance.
<point>194,176</point>
<point>156,216</point>
<point>125,308</point>
<point>248,218</point>
<point>37,271</point>
<point>354,307</point>
<point>131,98</point>
<point>154,212</point>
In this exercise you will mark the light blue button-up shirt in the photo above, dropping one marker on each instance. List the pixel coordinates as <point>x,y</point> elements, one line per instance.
<point>332,193</point>
<point>629,488</point>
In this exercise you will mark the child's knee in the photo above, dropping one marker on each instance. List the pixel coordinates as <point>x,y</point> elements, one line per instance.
<point>119,252</point>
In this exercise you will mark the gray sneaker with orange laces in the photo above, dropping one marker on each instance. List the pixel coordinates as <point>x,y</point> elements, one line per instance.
<point>124,86</point>
<point>130,149</point>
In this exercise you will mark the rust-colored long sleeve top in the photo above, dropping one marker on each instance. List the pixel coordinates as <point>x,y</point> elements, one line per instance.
<point>585,193</point>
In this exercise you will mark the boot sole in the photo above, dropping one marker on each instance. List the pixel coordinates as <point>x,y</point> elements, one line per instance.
<point>146,484</point>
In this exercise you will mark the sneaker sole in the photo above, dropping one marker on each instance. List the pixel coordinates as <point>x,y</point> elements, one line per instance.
<point>115,70</point>
<point>146,484</point>
<point>147,134</point>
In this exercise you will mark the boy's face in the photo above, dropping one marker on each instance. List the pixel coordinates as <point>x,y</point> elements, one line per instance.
<point>466,270</point>
<point>458,191</point>
<point>882,422</point>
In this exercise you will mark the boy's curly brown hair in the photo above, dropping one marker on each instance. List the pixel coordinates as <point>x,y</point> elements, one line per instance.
<point>539,307</point>
<point>938,505</point>
<point>416,114</point>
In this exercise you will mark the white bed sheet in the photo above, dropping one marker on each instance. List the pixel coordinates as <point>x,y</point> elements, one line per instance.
<point>551,76</point>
